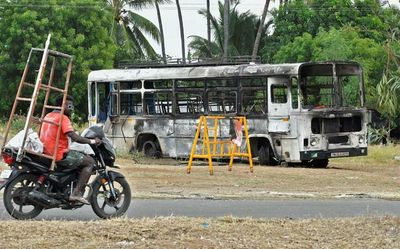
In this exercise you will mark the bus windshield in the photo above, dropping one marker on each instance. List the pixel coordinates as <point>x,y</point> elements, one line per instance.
<point>325,85</point>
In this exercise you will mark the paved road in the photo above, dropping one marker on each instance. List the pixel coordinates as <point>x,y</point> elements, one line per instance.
<point>239,208</point>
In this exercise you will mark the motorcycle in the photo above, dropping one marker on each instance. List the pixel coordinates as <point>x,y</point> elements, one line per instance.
<point>30,186</point>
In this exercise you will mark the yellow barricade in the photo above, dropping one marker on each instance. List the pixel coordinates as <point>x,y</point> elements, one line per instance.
<point>209,146</point>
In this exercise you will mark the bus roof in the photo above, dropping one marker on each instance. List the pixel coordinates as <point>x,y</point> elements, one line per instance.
<point>200,72</point>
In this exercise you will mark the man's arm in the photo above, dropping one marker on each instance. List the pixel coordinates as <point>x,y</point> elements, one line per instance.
<point>82,140</point>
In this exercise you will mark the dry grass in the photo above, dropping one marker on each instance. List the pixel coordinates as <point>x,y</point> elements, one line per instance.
<point>227,232</point>
<point>377,175</point>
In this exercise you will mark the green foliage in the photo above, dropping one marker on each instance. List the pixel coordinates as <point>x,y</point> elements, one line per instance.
<point>377,135</point>
<point>297,17</point>
<point>78,27</point>
<point>290,21</point>
<point>301,49</point>
<point>18,124</point>
<point>388,92</point>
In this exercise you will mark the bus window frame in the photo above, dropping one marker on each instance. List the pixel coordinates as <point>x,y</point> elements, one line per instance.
<point>297,92</point>
<point>279,86</point>
<point>229,91</point>
<point>243,89</point>
<point>177,105</point>
<point>137,92</point>
<point>156,91</point>
<point>190,90</point>
<point>92,100</point>
<point>115,93</point>
<point>97,101</point>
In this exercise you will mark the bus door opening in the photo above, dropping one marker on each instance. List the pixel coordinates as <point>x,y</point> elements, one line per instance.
<point>278,105</point>
<point>107,101</point>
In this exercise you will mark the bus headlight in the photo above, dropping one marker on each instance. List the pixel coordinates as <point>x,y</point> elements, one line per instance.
<point>314,141</point>
<point>361,140</point>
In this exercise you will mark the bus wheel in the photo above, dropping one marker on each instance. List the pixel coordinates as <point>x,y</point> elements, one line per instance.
<point>264,155</point>
<point>319,163</point>
<point>151,149</point>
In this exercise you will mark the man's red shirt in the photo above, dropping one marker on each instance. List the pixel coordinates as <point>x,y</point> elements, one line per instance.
<point>48,134</point>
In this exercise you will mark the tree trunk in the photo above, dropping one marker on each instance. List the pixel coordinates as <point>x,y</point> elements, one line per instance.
<point>226,29</point>
<point>164,56</point>
<point>260,28</point>
<point>182,33</point>
<point>208,26</point>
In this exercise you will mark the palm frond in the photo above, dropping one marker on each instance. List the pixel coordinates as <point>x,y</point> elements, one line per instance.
<point>388,91</point>
<point>137,48</point>
<point>144,43</point>
<point>139,4</point>
<point>200,46</point>
<point>163,1</point>
<point>144,24</point>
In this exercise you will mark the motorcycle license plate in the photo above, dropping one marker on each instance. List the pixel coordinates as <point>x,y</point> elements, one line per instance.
<point>5,174</point>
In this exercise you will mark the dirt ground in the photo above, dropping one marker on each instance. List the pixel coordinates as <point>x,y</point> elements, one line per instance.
<point>376,176</point>
<point>225,232</point>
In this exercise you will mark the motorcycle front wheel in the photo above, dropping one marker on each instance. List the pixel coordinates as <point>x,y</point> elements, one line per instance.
<point>105,204</point>
<point>16,200</point>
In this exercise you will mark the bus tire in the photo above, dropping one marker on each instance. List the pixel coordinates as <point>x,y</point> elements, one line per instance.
<point>319,163</point>
<point>151,149</point>
<point>264,155</point>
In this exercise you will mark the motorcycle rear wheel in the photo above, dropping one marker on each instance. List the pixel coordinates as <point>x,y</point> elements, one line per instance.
<point>16,199</point>
<point>104,205</point>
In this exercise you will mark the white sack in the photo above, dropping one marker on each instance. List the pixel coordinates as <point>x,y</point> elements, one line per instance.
<point>84,148</point>
<point>32,142</point>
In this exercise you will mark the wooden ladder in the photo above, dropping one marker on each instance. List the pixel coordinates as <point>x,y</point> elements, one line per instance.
<point>33,99</point>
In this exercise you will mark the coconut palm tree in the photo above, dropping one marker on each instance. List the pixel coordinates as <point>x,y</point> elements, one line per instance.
<point>226,28</point>
<point>208,23</point>
<point>242,33</point>
<point>181,31</point>
<point>259,32</point>
<point>129,30</point>
<point>160,26</point>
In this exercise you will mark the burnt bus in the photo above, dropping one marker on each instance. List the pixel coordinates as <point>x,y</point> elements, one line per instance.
<point>301,112</point>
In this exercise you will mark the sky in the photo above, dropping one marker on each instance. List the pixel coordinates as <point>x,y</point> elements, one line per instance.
<point>195,24</point>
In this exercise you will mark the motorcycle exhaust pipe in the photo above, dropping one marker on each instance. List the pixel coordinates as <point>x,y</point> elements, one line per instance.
<point>42,199</point>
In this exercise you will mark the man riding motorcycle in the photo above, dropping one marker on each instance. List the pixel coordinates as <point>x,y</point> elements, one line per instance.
<point>66,157</point>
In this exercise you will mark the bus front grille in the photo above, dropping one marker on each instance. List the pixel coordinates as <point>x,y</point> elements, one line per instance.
<point>336,125</point>
<point>338,140</point>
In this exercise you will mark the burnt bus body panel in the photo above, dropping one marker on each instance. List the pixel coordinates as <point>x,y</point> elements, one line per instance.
<point>334,133</point>
<point>276,99</point>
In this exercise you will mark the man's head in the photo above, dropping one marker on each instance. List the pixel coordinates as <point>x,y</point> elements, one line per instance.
<point>69,104</point>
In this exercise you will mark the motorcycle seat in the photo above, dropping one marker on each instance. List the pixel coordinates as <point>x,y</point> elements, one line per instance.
<point>36,164</point>
<point>43,163</point>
